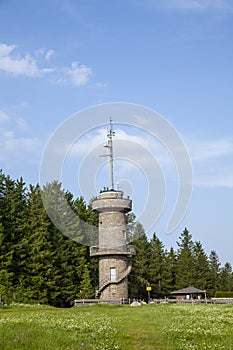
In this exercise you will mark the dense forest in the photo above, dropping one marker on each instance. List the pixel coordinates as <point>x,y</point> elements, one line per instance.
<point>38,264</point>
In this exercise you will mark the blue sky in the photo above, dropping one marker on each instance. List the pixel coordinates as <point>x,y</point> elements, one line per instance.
<point>173,56</point>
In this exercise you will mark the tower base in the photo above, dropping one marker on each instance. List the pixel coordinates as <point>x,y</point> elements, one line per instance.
<point>113,277</point>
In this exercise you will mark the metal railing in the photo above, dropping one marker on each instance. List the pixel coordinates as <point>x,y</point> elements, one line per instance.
<point>124,249</point>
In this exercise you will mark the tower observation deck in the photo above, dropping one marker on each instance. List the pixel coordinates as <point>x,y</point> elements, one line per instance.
<point>113,251</point>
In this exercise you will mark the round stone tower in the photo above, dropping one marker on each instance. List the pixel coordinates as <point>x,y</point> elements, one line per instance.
<point>113,252</point>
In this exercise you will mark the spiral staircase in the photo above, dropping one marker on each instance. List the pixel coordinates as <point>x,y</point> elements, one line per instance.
<point>121,276</point>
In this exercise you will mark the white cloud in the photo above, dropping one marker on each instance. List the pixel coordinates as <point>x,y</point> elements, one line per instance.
<point>5,50</point>
<point>46,54</point>
<point>78,74</point>
<point>11,117</point>
<point>212,162</point>
<point>199,151</point>
<point>49,54</point>
<point>18,143</point>
<point>18,149</point>
<point>206,150</point>
<point>214,179</point>
<point>22,123</point>
<point>27,65</point>
<point>90,141</point>
<point>101,85</point>
<point>17,65</point>
<point>38,64</point>
<point>4,117</point>
<point>11,142</point>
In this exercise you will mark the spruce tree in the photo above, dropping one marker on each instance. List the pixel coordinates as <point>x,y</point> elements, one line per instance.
<point>226,278</point>
<point>156,267</point>
<point>13,212</point>
<point>86,289</point>
<point>172,261</point>
<point>201,266</point>
<point>169,272</point>
<point>214,270</point>
<point>38,273</point>
<point>185,271</point>
<point>139,277</point>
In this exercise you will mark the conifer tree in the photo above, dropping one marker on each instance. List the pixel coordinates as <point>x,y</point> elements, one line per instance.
<point>86,288</point>
<point>38,271</point>
<point>226,278</point>
<point>214,270</point>
<point>201,266</point>
<point>139,278</point>
<point>169,273</point>
<point>172,261</point>
<point>14,225</point>
<point>185,272</point>
<point>156,267</point>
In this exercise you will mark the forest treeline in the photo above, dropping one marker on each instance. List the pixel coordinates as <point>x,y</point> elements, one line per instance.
<point>39,264</point>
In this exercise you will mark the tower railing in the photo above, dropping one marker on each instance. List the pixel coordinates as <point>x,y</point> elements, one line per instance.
<point>123,249</point>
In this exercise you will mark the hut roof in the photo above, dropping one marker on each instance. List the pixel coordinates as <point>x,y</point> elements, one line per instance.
<point>188,290</point>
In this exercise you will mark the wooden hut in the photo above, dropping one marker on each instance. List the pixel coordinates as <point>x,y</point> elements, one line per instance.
<point>189,293</point>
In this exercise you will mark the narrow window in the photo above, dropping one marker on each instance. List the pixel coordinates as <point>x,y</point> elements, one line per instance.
<point>112,274</point>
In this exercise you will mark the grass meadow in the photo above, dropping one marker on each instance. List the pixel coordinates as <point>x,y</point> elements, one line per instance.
<point>108,327</point>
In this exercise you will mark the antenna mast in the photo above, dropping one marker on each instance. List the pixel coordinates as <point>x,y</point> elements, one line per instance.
<point>110,135</point>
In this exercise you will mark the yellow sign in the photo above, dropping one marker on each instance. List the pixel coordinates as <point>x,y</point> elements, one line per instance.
<point>148,289</point>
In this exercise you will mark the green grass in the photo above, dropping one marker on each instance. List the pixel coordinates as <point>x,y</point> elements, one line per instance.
<point>106,327</point>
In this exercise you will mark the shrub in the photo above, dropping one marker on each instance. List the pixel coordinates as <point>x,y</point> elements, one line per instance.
<point>224,294</point>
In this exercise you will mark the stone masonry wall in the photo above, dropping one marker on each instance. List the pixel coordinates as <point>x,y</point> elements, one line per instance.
<point>112,229</point>
<point>114,290</point>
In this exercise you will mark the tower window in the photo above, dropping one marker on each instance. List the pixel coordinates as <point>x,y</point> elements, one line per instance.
<point>112,274</point>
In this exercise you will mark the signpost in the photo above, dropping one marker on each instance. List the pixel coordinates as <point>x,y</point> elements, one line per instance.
<point>148,288</point>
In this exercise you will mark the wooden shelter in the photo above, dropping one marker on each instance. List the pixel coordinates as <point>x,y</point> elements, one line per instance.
<point>189,293</point>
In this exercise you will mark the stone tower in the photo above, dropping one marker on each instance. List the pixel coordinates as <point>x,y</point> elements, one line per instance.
<point>113,251</point>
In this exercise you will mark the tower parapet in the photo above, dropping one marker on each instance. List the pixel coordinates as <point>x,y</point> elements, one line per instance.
<point>112,200</point>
